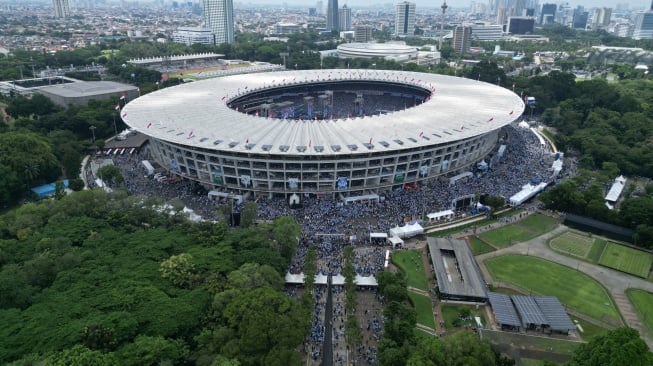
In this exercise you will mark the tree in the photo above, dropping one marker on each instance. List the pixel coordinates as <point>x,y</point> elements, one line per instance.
<point>179,269</point>
<point>622,346</point>
<point>249,215</point>
<point>111,175</point>
<point>80,355</point>
<point>147,350</point>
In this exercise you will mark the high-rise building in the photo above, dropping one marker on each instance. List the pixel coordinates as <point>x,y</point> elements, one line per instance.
<point>218,15</point>
<point>61,8</point>
<point>521,25</point>
<point>579,20</point>
<point>501,15</point>
<point>548,14</point>
<point>405,19</point>
<point>332,16</point>
<point>344,18</point>
<point>462,39</point>
<point>644,25</point>
<point>192,35</point>
<point>487,32</point>
<point>319,6</point>
<point>363,33</point>
<point>601,17</point>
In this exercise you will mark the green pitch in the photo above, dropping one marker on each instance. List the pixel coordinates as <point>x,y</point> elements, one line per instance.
<point>626,259</point>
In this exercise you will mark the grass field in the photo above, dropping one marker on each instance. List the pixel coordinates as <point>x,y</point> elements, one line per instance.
<point>539,224</point>
<point>410,262</point>
<point>452,312</point>
<point>423,308</point>
<point>589,330</point>
<point>643,303</point>
<point>626,259</point>
<point>541,343</point>
<point>506,236</point>
<point>478,246</point>
<point>572,243</point>
<point>597,249</point>
<point>573,288</point>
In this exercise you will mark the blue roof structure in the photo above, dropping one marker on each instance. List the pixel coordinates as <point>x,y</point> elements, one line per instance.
<point>48,189</point>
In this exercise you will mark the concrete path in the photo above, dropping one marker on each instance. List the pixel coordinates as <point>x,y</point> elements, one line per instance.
<point>614,281</point>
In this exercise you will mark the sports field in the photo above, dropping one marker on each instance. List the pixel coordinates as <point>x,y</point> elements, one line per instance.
<point>478,246</point>
<point>423,308</point>
<point>643,302</point>
<point>523,230</point>
<point>410,262</point>
<point>572,243</point>
<point>573,288</point>
<point>626,259</point>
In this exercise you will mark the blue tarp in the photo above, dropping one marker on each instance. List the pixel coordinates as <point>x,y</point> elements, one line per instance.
<point>48,189</point>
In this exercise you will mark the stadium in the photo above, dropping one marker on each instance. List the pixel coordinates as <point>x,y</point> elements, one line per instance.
<point>326,132</point>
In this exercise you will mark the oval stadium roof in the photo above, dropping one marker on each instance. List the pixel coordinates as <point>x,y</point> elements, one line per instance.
<point>197,114</point>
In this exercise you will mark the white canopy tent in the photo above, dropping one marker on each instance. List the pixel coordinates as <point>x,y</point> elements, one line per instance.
<point>407,231</point>
<point>365,281</point>
<point>460,176</point>
<point>321,279</point>
<point>378,237</point>
<point>528,191</point>
<point>616,189</point>
<point>441,215</point>
<point>338,280</point>
<point>296,279</point>
<point>364,198</point>
<point>395,241</point>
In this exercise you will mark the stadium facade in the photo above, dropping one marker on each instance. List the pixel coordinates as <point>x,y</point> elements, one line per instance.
<point>327,132</point>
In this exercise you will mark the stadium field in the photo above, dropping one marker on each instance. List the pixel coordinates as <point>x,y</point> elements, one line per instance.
<point>423,308</point>
<point>506,236</point>
<point>479,247</point>
<point>643,303</point>
<point>626,259</point>
<point>572,243</point>
<point>573,288</point>
<point>410,262</point>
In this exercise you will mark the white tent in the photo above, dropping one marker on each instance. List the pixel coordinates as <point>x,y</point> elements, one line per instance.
<point>295,278</point>
<point>442,215</point>
<point>320,279</point>
<point>556,167</point>
<point>407,231</point>
<point>365,281</point>
<point>528,191</point>
<point>395,241</point>
<point>364,198</point>
<point>616,189</point>
<point>378,236</point>
<point>338,280</point>
<point>456,178</point>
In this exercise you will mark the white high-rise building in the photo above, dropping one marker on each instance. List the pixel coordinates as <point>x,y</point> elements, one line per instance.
<point>218,16</point>
<point>344,18</point>
<point>405,19</point>
<point>61,8</point>
<point>601,17</point>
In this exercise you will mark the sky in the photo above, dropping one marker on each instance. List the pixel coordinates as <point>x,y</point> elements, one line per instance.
<point>634,4</point>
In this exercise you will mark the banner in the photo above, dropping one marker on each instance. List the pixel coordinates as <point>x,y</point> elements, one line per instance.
<point>245,180</point>
<point>424,170</point>
<point>342,183</point>
<point>293,183</point>
<point>174,165</point>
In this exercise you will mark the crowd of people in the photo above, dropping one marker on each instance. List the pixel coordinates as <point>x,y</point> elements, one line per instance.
<point>329,225</point>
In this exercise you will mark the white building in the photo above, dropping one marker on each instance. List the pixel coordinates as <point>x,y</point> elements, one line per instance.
<point>193,35</point>
<point>287,28</point>
<point>218,16</point>
<point>487,32</point>
<point>405,19</point>
<point>61,8</point>
<point>344,18</point>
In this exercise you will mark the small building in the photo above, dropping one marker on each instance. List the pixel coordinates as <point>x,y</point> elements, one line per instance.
<point>456,271</point>
<point>48,190</point>
<point>615,191</point>
<point>80,93</point>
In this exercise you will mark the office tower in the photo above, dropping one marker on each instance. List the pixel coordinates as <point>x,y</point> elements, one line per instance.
<point>405,19</point>
<point>320,7</point>
<point>501,15</point>
<point>579,20</point>
<point>462,39</point>
<point>518,9</point>
<point>344,18</point>
<point>218,16</point>
<point>61,8</point>
<point>548,14</point>
<point>332,16</point>
<point>521,25</point>
<point>644,25</point>
<point>362,33</point>
<point>312,12</point>
<point>601,17</point>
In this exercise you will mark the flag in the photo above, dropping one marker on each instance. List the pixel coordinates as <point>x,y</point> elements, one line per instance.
<point>256,113</point>
<point>370,140</point>
<point>421,134</point>
<point>511,112</point>
<point>149,124</point>
<point>117,107</point>
<point>224,97</point>
<point>124,115</point>
<point>245,87</point>
<point>191,134</point>
<point>462,127</point>
<point>247,141</point>
<point>491,119</point>
<point>513,85</point>
<point>138,89</point>
<point>122,96</point>
<point>310,143</point>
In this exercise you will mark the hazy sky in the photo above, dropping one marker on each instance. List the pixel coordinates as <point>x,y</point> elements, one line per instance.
<point>634,4</point>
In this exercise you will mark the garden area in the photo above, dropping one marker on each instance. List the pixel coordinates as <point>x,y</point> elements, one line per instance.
<point>457,316</point>
<point>410,262</point>
<point>541,277</point>
<point>478,246</point>
<point>424,309</point>
<point>523,230</point>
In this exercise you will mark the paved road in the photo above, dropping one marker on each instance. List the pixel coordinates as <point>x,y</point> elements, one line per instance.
<point>616,282</point>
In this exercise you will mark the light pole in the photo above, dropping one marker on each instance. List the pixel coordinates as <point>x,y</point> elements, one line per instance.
<point>115,129</point>
<point>92,128</point>
<point>284,55</point>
